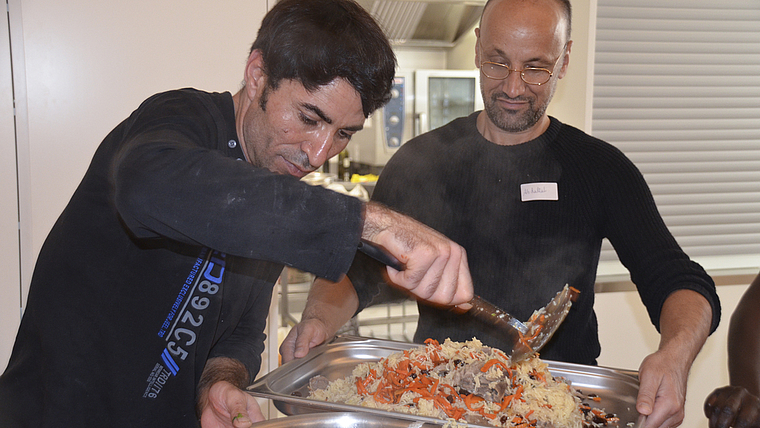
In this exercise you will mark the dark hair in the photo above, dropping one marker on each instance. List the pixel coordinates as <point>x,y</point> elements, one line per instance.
<point>567,9</point>
<point>317,41</point>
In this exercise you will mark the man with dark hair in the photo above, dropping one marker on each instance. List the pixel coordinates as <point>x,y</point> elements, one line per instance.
<point>296,45</point>
<point>149,297</point>
<point>531,200</point>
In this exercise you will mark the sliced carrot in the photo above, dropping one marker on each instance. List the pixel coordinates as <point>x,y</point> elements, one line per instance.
<point>431,342</point>
<point>493,362</point>
<point>505,402</point>
<point>360,387</point>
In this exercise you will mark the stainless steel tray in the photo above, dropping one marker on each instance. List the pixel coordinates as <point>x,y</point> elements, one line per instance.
<point>288,385</point>
<point>340,420</point>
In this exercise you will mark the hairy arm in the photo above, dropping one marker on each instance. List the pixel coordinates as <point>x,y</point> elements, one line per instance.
<point>329,306</point>
<point>685,322</point>
<point>222,403</point>
<point>436,272</point>
<point>436,267</point>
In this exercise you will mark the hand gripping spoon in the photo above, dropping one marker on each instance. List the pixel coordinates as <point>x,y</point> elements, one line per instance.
<point>525,338</point>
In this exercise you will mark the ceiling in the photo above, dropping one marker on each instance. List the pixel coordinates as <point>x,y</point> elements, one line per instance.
<point>425,23</point>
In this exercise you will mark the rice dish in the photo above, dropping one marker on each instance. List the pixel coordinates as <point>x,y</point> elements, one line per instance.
<point>464,382</point>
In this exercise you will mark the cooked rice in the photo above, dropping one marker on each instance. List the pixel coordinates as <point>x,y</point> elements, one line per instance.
<point>462,382</point>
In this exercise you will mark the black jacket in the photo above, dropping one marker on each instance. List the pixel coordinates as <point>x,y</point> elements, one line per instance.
<point>165,256</point>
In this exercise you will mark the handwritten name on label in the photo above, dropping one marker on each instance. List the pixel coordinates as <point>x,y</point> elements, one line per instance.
<point>539,192</point>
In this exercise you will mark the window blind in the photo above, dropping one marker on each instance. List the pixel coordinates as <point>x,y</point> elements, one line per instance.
<point>677,88</point>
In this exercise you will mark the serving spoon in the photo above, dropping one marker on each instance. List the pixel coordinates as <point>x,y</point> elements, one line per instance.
<point>525,338</point>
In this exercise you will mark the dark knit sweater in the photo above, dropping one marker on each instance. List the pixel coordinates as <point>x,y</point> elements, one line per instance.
<point>522,251</point>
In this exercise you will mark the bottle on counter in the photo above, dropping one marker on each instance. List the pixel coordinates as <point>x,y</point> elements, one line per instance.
<point>326,166</point>
<point>344,166</point>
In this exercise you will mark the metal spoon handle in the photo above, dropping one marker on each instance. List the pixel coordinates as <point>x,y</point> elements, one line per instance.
<point>492,314</point>
<point>380,254</point>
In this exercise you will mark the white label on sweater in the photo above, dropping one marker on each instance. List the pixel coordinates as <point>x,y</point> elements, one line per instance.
<point>539,192</point>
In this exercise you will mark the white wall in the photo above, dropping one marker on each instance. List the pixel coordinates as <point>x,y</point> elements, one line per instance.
<point>9,237</point>
<point>411,58</point>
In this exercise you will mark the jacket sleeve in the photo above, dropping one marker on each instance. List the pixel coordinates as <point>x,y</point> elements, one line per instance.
<point>246,342</point>
<point>168,183</point>
<point>657,264</point>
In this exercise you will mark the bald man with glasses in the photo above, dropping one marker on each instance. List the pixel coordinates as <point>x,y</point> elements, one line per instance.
<point>531,199</point>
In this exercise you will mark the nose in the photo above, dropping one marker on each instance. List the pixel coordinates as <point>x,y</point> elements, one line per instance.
<point>513,85</point>
<point>318,148</point>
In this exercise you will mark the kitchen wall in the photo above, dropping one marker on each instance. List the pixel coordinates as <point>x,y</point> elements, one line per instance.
<point>9,236</point>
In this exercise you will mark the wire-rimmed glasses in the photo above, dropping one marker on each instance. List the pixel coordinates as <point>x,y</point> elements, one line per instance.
<point>530,75</point>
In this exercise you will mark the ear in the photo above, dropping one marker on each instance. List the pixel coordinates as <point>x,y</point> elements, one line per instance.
<point>255,78</point>
<point>477,47</point>
<point>566,60</point>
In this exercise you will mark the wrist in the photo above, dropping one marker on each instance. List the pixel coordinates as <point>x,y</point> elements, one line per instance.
<point>376,220</point>
<point>321,322</point>
<point>220,369</point>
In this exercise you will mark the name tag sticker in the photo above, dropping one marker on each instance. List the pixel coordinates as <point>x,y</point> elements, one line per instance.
<point>539,192</point>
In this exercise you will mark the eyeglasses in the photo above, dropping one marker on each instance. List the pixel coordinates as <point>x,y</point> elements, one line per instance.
<point>530,75</point>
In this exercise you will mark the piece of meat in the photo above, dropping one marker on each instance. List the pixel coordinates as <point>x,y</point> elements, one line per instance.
<point>495,393</point>
<point>465,380</point>
<point>475,419</point>
<point>318,382</point>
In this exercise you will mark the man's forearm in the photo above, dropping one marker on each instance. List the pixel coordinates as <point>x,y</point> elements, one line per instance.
<point>685,324</point>
<point>332,303</point>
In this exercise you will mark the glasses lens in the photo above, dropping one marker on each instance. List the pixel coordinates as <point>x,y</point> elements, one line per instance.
<point>494,71</point>
<point>536,76</point>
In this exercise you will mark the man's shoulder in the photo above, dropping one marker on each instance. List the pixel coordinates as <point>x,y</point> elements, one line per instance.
<point>184,98</point>
<point>574,139</point>
<point>187,107</point>
<point>580,151</point>
<point>462,128</point>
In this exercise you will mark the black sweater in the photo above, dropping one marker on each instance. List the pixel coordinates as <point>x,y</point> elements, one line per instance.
<point>522,251</point>
<point>165,256</point>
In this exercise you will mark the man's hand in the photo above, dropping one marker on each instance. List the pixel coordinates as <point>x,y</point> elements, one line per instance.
<point>436,267</point>
<point>227,406</point>
<point>221,401</point>
<point>329,306</point>
<point>684,326</point>
<point>662,390</point>
<point>732,406</point>
<point>301,338</point>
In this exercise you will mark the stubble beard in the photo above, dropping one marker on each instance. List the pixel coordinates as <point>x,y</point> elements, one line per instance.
<point>510,120</point>
<point>257,156</point>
